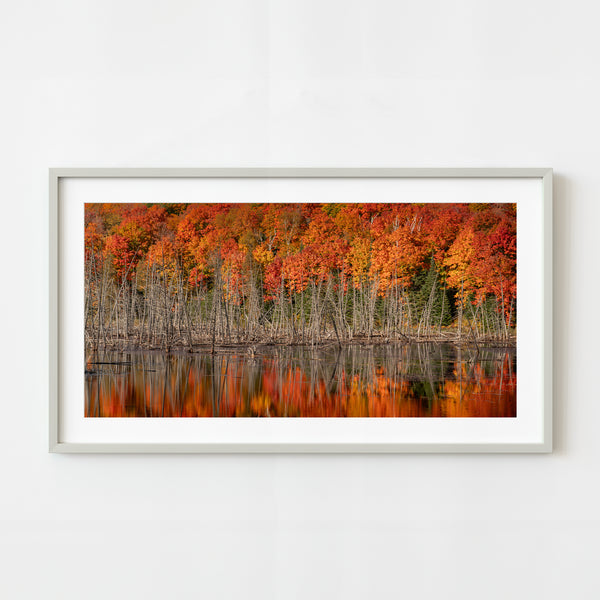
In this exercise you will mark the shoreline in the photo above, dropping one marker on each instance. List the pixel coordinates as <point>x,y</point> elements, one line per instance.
<point>251,347</point>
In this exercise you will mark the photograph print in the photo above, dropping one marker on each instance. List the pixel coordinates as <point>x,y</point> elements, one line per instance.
<point>308,310</point>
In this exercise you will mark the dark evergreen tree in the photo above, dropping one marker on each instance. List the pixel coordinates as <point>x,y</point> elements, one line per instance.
<point>431,305</point>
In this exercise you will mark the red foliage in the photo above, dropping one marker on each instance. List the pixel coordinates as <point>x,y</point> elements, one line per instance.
<point>292,245</point>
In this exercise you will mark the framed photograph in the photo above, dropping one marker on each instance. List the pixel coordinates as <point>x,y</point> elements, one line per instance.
<point>300,310</point>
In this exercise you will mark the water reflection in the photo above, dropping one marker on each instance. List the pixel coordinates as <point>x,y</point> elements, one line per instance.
<point>417,380</point>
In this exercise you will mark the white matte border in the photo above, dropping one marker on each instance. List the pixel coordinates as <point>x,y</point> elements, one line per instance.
<point>526,431</point>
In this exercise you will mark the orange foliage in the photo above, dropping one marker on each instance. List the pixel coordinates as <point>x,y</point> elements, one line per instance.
<point>292,245</point>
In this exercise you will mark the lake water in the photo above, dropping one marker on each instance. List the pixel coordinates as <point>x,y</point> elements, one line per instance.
<point>415,380</point>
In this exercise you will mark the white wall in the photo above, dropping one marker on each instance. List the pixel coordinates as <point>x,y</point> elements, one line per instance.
<point>298,83</point>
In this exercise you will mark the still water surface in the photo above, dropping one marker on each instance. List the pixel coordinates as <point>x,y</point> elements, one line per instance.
<point>416,380</point>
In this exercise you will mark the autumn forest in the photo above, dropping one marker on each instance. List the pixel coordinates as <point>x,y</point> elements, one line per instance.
<point>177,276</point>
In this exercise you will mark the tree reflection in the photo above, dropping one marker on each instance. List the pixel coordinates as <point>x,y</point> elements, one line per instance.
<point>414,380</point>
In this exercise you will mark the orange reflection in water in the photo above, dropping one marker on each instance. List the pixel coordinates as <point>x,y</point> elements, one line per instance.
<point>418,380</point>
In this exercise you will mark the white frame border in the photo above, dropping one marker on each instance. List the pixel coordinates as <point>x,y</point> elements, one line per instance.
<point>55,445</point>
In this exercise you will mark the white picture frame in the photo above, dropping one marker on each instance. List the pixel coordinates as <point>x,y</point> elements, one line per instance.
<point>319,435</point>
